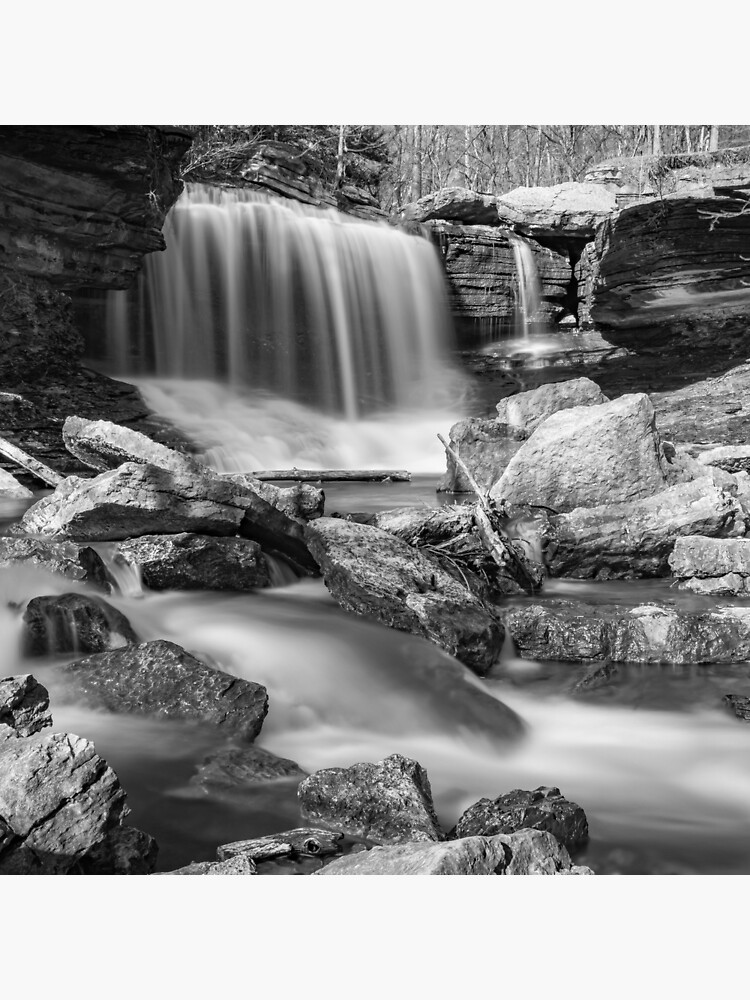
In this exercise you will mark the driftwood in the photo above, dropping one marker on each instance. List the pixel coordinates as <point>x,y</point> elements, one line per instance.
<point>32,465</point>
<point>309,841</point>
<point>334,475</point>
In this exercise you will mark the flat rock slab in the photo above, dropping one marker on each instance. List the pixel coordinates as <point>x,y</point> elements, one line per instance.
<point>239,767</point>
<point>388,802</point>
<point>523,412</point>
<point>73,623</point>
<point>239,865</point>
<point>76,562</point>
<point>195,562</point>
<point>24,706</point>
<point>162,679</point>
<point>707,557</point>
<point>370,572</point>
<point>545,808</point>
<point>587,456</point>
<point>649,633</point>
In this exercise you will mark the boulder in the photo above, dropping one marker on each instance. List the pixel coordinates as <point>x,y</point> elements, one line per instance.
<point>195,562</point>
<point>739,704</point>
<point>238,767</point>
<point>537,852</point>
<point>124,851</point>
<point>570,211</point>
<point>73,623</point>
<point>649,633</point>
<point>11,488</point>
<point>371,572</point>
<point>161,679</point>
<point>24,707</point>
<point>239,865</point>
<point>77,562</point>
<point>454,204</point>
<point>587,456</point>
<point>634,539</point>
<point>58,801</point>
<point>301,500</point>
<point>595,678</point>
<point>543,809</point>
<point>730,458</point>
<point>485,447</point>
<point>523,412</point>
<point>388,802</point>
<point>712,565</point>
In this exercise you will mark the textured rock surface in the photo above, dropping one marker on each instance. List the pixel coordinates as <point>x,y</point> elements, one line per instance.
<point>76,562</point>
<point>370,572</point>
<point>485,447</point>
<point>124,851</point>
<point>631,540</point>
<point>545,808</point>
<point>161,679</point>
<point>10,487</point>
<point>587,456</point>
<point>388,802</point>
<point>711,410</point>
<point>537,852</point>
<point>24,707</point>
<point>237,767</point>
<point>239,865</point>
<point>730,458</point>
<point>195,562</point>
<point>303,841</point>
<point>572,210</point>
<point>712,565</point>
<point>73,623</point>
<point>301,500</point>
<point>454,204</point>
<point>739,704</point>
<point>524,412</point>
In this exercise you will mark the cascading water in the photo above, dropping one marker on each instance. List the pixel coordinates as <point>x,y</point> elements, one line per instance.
<point>528,318</point>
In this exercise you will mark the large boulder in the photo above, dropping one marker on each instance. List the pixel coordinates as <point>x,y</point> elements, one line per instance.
<point>73,623</point>
<point>523,413</point>
<point>238,767</point>
<point>389,802</point>
<point>712,565</point>
<point>161,679</point>
<point>545,808</point>
<point>373,573</point>
<point>454,204</point>
<point>632,540</point>
<point>587,456</point>
<point>24,707</point>
<point>569,211</point>
<point>195,562</point>
<point>485,447</point>
<point>77,562</point>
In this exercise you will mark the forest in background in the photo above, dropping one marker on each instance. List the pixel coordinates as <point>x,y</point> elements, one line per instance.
<point>398,164</point>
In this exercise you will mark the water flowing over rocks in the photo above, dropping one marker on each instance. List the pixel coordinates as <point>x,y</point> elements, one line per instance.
<point>161,679</point>
<point>195,562</point>
<point>238,767</point>
<point>74,623</point>
<point>523,412</point>
<point>543,809</point>
<point>371,572</point>
<point>587,456</point>
<point>24,707</point>
<point>76,562</point>
<point>388,802</point>
<point>712,565</point>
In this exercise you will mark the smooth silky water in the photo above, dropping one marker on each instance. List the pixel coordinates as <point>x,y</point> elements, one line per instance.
<point>277,336</point>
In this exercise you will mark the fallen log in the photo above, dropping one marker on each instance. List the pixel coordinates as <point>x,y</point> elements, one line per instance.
<point>309,841</point>
<point>32,465</point>
<point>334,475</point>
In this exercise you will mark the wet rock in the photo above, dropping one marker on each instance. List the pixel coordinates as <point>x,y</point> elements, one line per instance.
<point>239,865</point>
<point>388,802</point>
<point>73,623</point>
<point>371,572</point>
<point>238,767</point>
<point>543,809</point>
<point>301,842</point>
<point>24,706</point>
<point>58,801</point>
<point>470,856</point>
<point>124,851</point>
<point>161,679</point>
<point>596,677</point>
<point>739,705</point>
<point>648,633</point>
<point>712,565</point>
<point>537,852</point>
<point>10,487</point>
<point>195,562</point>
<point>301,500</point>
<point>485,447</point>
<point>77,562</point>
<point>523,412</point>
<point>635,539</point>
<point>588,456</point>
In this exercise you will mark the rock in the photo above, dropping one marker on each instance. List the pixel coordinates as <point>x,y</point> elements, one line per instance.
<point>24,707</point>
<point>453,204</point>
<point>58,801</point>
<point>712,565</point>
<point>649,633</point>
<point>301,842</point>
<point>370,572</point>
<point>195,562</point>
<point>239,865</point>
<point>10,487</point>
<point>124,851</point>
<point>730,458</point>
<point>161,679</point>
<point>77,562</point>
<point>594,678</point>
<point>537,852</point>
<point>587,456</point>
<point>301,500</point>
<point>485,447</point>
<point>698,411</point>
<point>543,809</point>
<point>524,412</point>
<point>388,802</point>
<point>739,705</point>
<point>634,540</point>
<point>73,623</point>
<point>238,767</point>
<point>559,215</point>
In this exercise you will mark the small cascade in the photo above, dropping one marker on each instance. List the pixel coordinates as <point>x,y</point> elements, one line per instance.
<point>346,316</point>
<point>126,575</point>
<point>528,316</point>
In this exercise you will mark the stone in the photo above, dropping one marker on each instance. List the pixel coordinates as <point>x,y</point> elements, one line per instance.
<point>186,561</point>
<point>24,706</point>
<point>58,801</point>
<point>635,539</point>
<point>239,865</point>
<point>453,204</point>
<point>11,488</point>
<point>370,572</point>
<point>537,852</point>
<point>301,500</point>
<point>124,851</point>
<point>524,412</point>
<point>238,767</point>
<point>470,856</point>
<point>587,456</point>
<point>712,565</point>
<point>159,678</point>
<point>572,211</point>
<point>697,413</point>
<point>730,458</point>
<point>485,447</point>
<point>388,802</point>
<point>545,808</point>
<point>73,623</point>
<point>76,562</point>
<point>739,704</point>
<point>595,678</point>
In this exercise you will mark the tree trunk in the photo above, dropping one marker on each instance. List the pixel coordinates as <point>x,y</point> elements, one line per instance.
<point>713,141</point>
<point>417,164</point>
<point>656,140</point>
<point>340,157</point>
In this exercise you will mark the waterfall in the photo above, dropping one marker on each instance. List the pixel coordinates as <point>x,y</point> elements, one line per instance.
<point>528,319</point>
<point>346,316</point>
